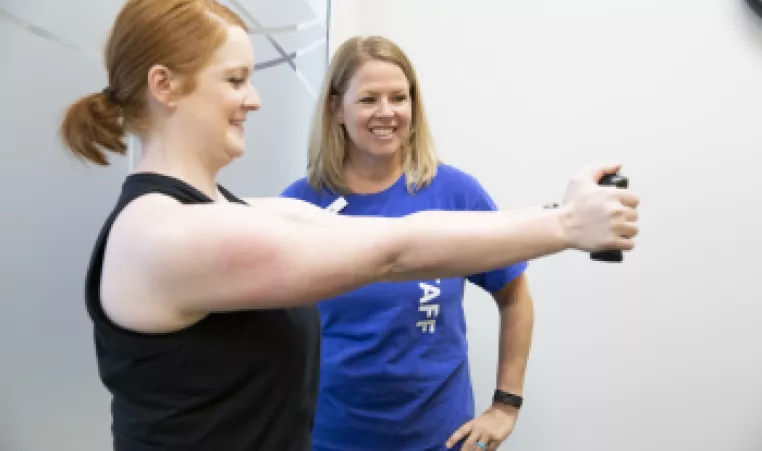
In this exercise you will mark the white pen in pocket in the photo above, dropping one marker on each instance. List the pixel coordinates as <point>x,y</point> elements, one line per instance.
<point>337,205</point>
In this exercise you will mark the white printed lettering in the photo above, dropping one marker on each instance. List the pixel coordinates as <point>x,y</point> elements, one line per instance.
<point>429,324</point>
<point>430,293</point>
<point>432,311</point>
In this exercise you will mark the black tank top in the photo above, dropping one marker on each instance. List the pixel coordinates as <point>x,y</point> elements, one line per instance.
<point>241,381</point>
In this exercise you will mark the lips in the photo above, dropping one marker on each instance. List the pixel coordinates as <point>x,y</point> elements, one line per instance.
<point>383,133</point>
<point>238,123</point>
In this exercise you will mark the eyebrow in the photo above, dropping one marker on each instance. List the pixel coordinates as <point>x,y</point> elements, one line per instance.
<point>233,68</point>
<point>375,92</point>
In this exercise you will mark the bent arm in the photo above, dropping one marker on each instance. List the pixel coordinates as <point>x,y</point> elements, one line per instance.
<point>516,323</point>
<point>217,257</point>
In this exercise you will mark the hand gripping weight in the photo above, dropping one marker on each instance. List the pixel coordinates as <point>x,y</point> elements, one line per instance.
<point>611,256</point>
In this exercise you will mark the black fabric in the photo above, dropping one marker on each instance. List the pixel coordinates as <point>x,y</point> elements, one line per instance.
<point>241,381</point>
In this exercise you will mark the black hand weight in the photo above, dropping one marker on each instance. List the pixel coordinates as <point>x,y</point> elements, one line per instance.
<point>612,256</point>
<point>756,7</point>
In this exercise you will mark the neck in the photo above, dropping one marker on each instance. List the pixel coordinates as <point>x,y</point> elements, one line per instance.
<point>181,162</point>
<point>367,174</point>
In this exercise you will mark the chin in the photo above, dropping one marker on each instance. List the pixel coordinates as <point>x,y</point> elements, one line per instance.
<point>388,150</point>
<point>235,148</point>
<point>235,152</point>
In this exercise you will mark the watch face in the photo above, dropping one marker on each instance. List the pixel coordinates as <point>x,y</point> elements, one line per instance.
<point>756,6</point>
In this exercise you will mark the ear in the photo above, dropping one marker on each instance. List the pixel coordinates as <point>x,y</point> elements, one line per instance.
<point>163,85</point>
<point>337,110</point>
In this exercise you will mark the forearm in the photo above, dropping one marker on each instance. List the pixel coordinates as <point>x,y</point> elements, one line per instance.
<point>444,244</point>
<point>516,324</point>
<point>438,243</point>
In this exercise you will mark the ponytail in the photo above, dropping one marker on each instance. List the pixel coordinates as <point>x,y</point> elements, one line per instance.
<point>92,124</point>
<point>181,34</point>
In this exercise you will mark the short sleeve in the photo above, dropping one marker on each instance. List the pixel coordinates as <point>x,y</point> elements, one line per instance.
<point>294,191</point>
<point>478,199</point>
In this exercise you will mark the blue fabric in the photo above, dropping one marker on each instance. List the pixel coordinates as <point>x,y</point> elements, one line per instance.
<point>394,369</point>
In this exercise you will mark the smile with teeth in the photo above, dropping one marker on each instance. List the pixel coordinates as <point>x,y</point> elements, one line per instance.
<point>383,132</point>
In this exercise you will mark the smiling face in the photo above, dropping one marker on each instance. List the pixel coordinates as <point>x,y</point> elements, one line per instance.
<point>376,111</point>
<point>215,110</point>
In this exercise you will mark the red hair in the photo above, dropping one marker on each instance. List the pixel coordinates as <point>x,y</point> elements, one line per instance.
<point>179,34</point>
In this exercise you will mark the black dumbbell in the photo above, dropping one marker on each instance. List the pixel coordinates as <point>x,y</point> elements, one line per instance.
<point>611,256</point>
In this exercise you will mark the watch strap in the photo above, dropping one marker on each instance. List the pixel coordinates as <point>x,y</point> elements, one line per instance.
<point>508,399</point>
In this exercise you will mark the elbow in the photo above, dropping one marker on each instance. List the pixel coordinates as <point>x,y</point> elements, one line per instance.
<point>407,255</point>
<point>392,266</point>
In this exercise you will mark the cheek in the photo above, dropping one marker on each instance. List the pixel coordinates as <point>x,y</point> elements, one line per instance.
<point>233,102</point>
<point>357,124</point>
<point>405,114</point>
<point>404,119</point>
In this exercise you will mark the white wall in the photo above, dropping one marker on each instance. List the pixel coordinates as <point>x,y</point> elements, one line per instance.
<point>661,352</point>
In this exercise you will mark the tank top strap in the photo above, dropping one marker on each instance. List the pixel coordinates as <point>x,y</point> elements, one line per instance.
<point>142,183</point>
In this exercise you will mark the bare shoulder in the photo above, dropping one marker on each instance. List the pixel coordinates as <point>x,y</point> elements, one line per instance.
<point>128,296</point>
<point>168,264</point>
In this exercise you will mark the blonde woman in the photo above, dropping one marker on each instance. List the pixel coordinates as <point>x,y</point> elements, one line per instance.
<point>395,373</point>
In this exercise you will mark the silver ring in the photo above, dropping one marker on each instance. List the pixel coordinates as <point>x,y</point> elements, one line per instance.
<point>481,445</point>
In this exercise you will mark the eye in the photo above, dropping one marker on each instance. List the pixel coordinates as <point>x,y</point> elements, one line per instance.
<point>399,98</point>
<point>367,100</point>
<point>237,81</point>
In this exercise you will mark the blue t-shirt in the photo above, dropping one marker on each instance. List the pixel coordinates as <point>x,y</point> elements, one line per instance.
<point>394,366</point>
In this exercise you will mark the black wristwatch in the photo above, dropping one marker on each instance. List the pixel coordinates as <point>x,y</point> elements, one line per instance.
<point>509,399</point>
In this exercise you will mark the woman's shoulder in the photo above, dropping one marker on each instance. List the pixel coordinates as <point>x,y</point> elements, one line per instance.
<point>299,189</point>
<point>296,186</point>
<point>452,177</point>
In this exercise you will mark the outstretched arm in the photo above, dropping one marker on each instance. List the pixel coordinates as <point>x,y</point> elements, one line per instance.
<point>218,257</point>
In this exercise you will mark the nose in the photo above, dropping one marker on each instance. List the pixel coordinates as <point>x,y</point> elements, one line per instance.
<point>251,101</point>
<point>384,108</point>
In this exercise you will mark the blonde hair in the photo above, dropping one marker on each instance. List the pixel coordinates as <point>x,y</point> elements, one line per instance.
<point>328,139</point>
<point>180,34</point>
